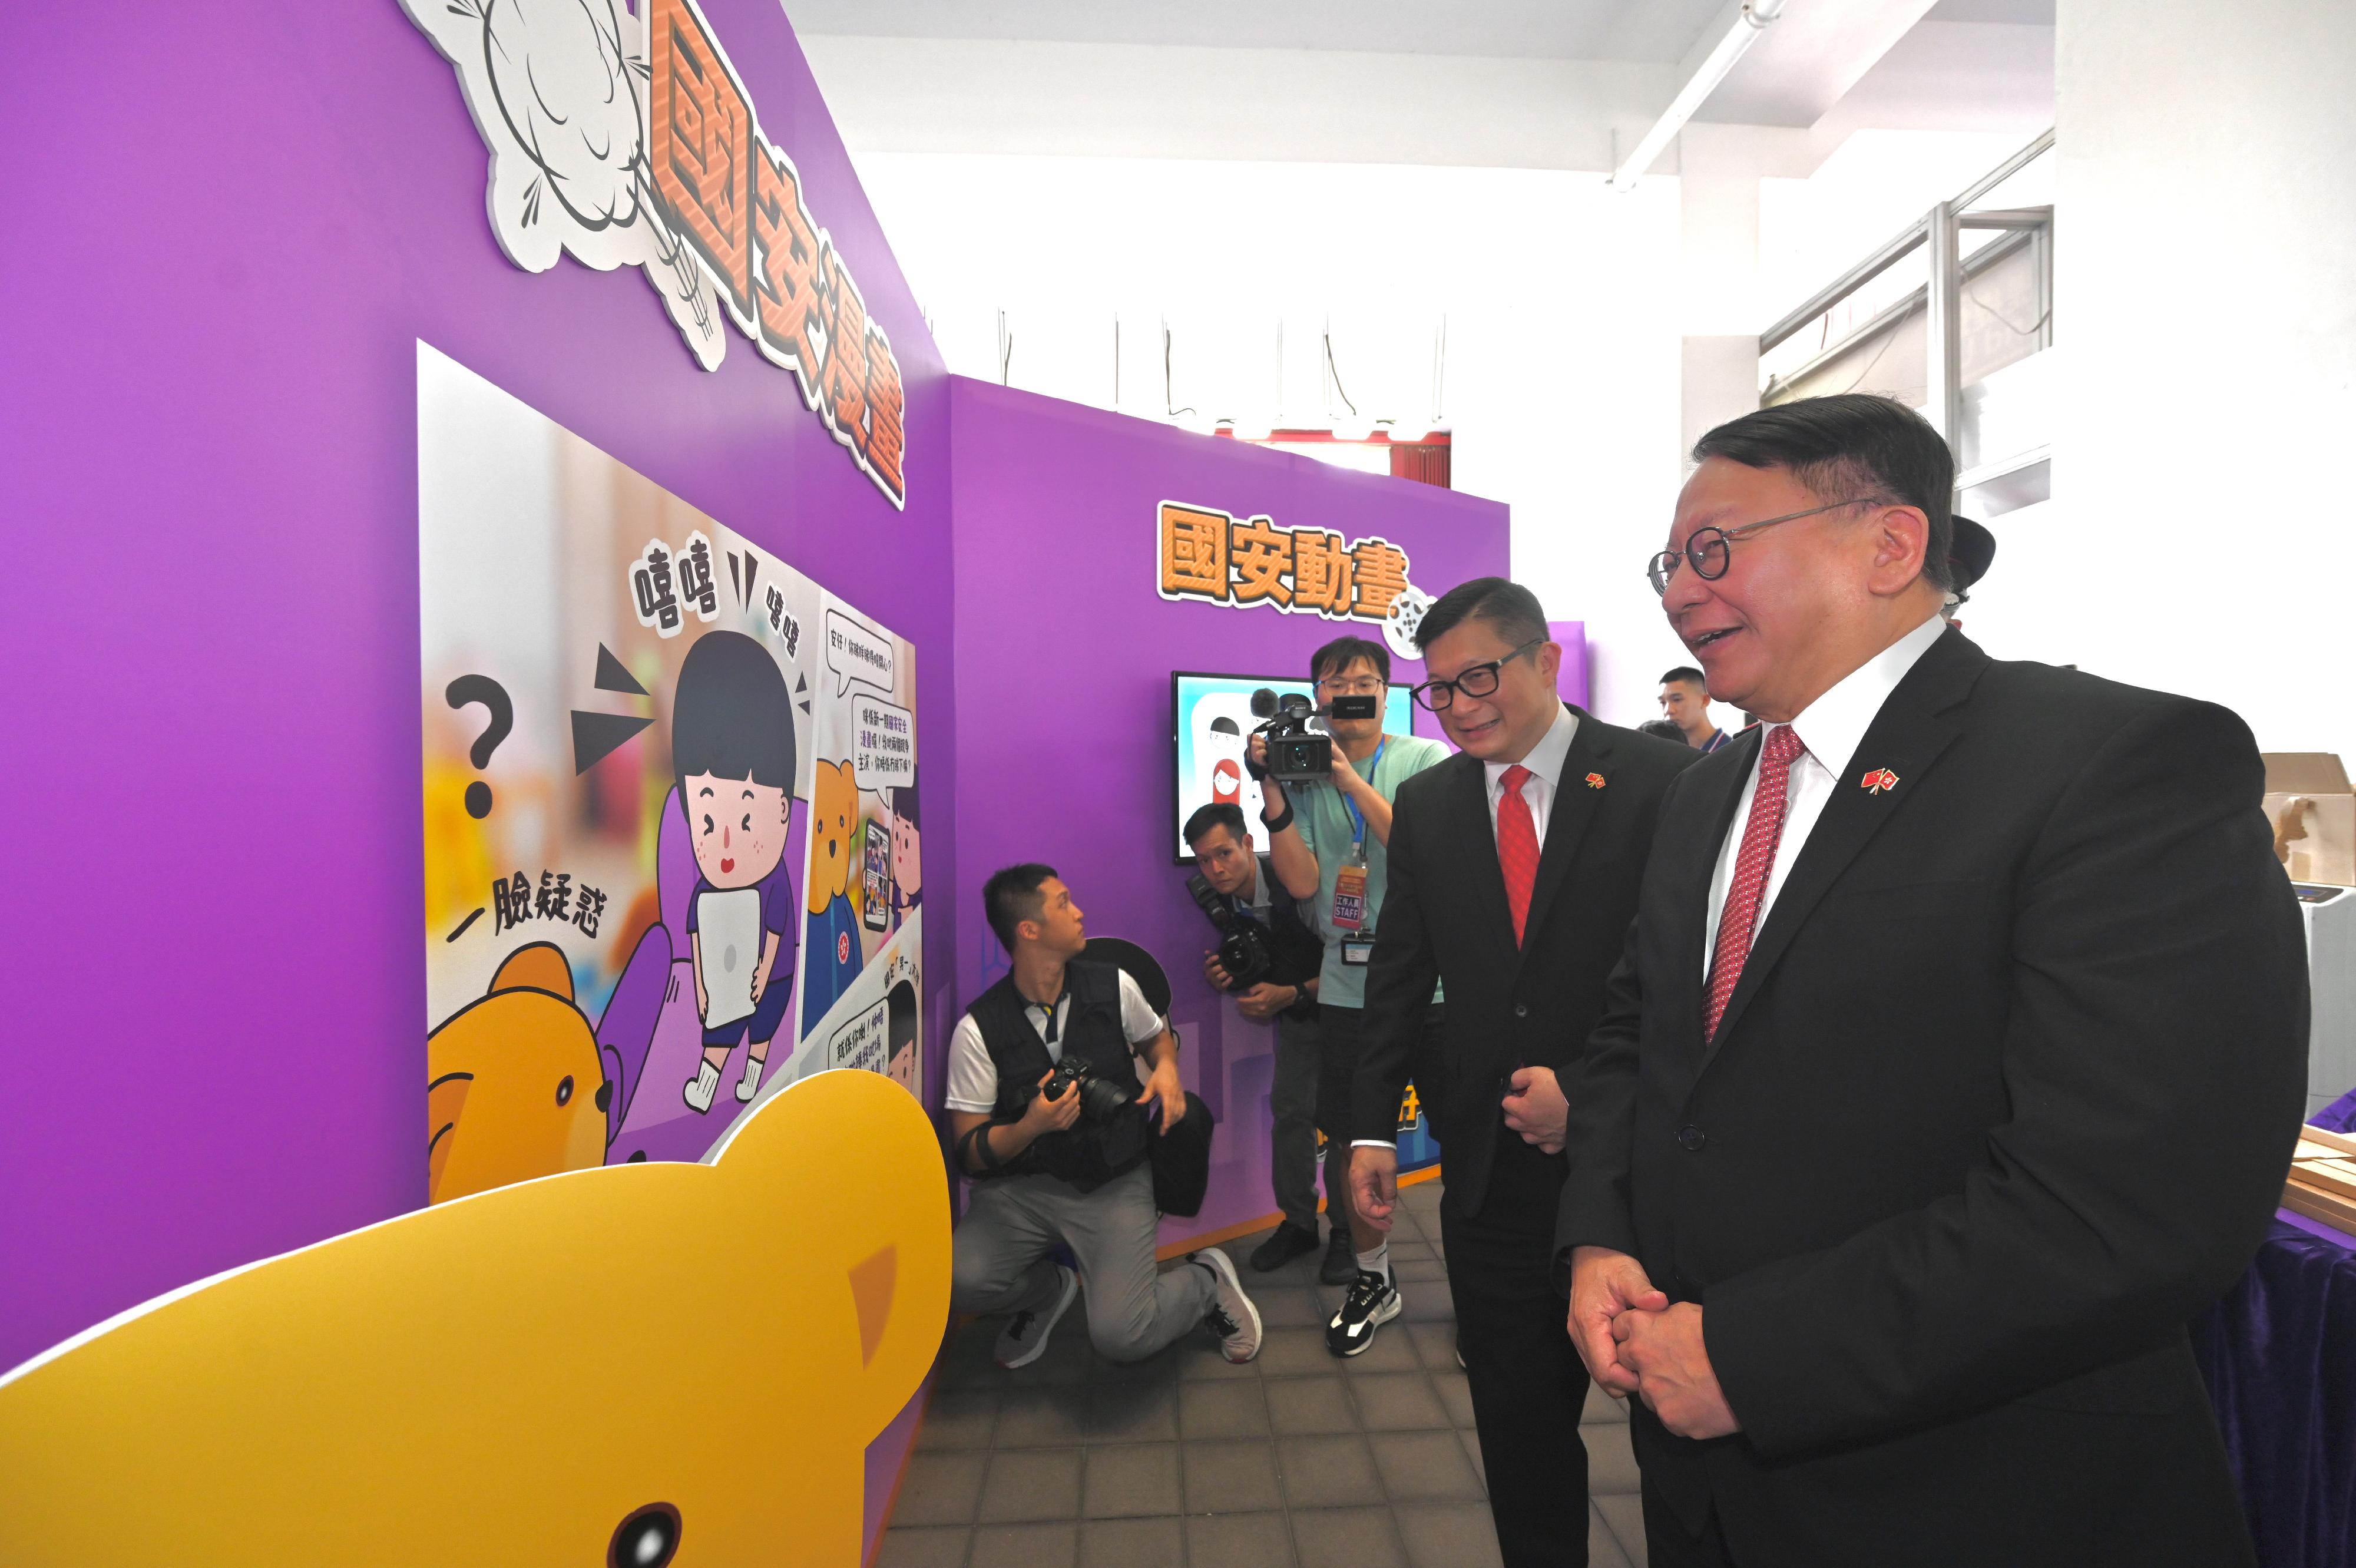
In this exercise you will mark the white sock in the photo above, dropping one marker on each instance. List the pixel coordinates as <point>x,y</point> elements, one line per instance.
<point>1378,1262</point>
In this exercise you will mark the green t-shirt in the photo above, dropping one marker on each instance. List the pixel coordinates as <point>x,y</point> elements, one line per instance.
<point>1324,818</point>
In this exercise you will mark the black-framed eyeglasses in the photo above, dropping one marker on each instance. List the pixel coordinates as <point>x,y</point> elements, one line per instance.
<point>1479,681</point>
<point>1709,551</point>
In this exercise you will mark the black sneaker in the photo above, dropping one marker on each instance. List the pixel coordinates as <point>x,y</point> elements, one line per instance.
<point>1373,1301</point>
<point>1232,1317</point>
<point>1024,1339</point>
<point>1286,1243</point>
<point>1341,1264</point>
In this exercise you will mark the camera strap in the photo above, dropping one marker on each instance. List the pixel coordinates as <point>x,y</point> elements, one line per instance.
<point>1358,818</point>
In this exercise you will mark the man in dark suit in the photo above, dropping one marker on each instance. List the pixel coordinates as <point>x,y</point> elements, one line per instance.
<point>1955,1062</point>
<point>1513,870</point>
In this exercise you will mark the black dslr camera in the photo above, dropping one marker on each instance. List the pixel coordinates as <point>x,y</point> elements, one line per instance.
<point>1244,950</point>
<point>1101,1100</point>
<point>1295,754</point>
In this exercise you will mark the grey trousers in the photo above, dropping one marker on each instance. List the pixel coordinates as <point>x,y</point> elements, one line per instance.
<point>1000,1262</point>
<point>1292,1101</point>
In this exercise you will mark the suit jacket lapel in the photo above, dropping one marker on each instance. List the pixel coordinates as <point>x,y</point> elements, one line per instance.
<point>1912,728</point>
<point>1575,805</point>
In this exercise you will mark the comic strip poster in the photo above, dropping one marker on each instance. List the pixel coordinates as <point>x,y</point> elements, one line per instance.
<point>672,835</point>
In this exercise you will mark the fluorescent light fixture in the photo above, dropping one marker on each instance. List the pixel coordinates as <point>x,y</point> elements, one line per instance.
<point>1756,16</point>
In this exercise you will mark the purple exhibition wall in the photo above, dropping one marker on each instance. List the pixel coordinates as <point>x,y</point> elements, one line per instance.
<point>232,223</point>
<point>1065,650</point>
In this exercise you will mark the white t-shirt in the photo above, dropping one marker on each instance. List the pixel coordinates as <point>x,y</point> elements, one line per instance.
<point>973,1077</point>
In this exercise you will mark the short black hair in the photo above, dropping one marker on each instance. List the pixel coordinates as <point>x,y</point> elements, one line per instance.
<point>730,715</point>
<point>1686,673</point>
<point>1849,447</point>
<point>900,1011</point>
<point>1343,651</point>
<point>1512,609</point>
<point>904,801</point>
<point>1217,814</point>
<point>1662,729</point>
<point>1011,896</point>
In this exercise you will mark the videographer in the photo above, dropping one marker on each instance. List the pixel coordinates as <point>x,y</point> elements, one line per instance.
<point>1269,957</point>
<point>1048,1120</point>
<point>1327,842</point>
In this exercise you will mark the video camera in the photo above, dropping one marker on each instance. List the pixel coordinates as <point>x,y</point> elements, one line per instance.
<point>1101,1100</point>
<point>1295,754</point>
<point>1244,950</point>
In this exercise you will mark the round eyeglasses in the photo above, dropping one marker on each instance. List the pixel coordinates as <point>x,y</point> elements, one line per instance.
<point>1479,681</point>
<point>1709,551</point>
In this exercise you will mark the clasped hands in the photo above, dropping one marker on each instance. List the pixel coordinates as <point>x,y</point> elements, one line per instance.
<point>1634,1342</point>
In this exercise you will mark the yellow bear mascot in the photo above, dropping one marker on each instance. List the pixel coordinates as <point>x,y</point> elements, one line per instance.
<point>640,1364</point>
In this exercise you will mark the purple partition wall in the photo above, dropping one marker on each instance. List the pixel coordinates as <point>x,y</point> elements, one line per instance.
<point>1064,650</point>
<point>232,223</point>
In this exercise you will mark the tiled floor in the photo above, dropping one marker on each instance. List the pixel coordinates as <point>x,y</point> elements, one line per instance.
<point>1297,1460</point>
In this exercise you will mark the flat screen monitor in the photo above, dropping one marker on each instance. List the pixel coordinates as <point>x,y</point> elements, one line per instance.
<point>1210,716</point>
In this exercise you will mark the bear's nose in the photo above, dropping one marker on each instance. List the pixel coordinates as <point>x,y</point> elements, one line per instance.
<point>648,1538</point>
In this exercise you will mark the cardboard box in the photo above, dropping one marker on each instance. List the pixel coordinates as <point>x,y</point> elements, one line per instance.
<point>2313,810</point>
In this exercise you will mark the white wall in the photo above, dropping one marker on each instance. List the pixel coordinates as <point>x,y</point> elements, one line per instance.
<point>2206,281</point>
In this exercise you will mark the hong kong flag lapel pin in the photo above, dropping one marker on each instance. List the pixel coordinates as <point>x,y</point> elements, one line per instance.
<point>1881,779</point>
<point>1595,780</point>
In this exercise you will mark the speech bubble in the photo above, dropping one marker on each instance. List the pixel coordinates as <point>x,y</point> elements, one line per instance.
<point>857,655</point>
<point>863,1042</point>
<point>883,744</point>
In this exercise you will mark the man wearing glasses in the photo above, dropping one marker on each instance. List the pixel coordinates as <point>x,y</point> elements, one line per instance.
<point>1953,1066</point>
<point>1329,844</point>
<point>1515,868</point>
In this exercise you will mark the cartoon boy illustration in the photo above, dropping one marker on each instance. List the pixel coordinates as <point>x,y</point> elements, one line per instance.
<point>835,953</point>
<point>732,745</point>
<point>908,866</point>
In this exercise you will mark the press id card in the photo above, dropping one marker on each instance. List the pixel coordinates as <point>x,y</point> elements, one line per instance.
<point>1357,951</point>
<point>1350,897</point>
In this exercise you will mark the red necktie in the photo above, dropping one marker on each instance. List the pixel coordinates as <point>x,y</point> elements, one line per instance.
<point>1517,847</point>
<point>1761,834</point>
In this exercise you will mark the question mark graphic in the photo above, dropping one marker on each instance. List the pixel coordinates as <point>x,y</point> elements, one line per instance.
<point>482,689</point>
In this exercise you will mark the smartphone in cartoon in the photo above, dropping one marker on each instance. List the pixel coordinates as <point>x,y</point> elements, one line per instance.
<point>875,901</point>
<point>835,954</point>
<point>732,745</point>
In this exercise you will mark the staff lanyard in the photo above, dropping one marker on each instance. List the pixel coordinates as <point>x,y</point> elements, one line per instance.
<point>1358,818</point>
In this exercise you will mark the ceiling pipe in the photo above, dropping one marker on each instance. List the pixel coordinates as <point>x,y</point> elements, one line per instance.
<point>1757,16</point>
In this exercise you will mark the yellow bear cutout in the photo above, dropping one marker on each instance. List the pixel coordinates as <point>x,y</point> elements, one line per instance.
<point>834,805</point>
<point>515,1088</point>
<point>643,1363</point>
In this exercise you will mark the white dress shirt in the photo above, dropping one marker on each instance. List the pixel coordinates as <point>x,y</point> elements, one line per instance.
<point>1831,728</point>
<point>1545,763</point>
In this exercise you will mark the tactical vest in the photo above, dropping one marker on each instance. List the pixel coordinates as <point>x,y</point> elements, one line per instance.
<point>1092,1152</point>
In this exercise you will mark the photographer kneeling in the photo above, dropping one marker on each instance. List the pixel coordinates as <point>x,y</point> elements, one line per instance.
<point>1045,1116</point>
<point>1268,957</point>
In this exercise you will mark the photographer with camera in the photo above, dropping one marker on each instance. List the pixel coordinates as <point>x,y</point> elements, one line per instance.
<point>1048,1120</point>
<point>1268,959</point>
<point>1328,842</point>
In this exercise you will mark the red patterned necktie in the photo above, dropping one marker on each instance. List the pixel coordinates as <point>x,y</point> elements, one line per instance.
<point>1517,847</point>
<point>1761,835</point>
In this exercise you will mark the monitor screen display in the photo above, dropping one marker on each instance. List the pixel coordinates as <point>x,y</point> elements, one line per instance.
<point>1210,718</point>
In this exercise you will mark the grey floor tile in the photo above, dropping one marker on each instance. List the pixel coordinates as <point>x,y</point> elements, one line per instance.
<point>941,1547</point>
<point>1027,1484</point>
<point>1392,1351</point>
<point>1161,1367</point>
<point>1398,1401</point>
<point>1624,1513</point>
<point>1289,1307</point>
<point>1026,1546</point>
<point>1134,1542</point>
<point>1328,1472</point>
<point>1416,1251</point>
<point>1471,1440</point>
<point>1223,1410</point>
<point>1416,1465</point>
<point>1611,1459</point>
<point>1602,1546</point>
<point>1129,1479</point>
<point>1420,1271</point>
<point>1126,1412</point>
<point>1041,1418</point>
<point>1602,1406</point>
<point>1449,1535</point>
<point>1347,1538</point>
<point>1239,1541</point>
<point>1305,1406</point>
<point>1435,1343</point>
<point>1428,1304</point>
<point>1294,1353</point>
<point>1198,1357</point>
<point>1066,1359</point>
<point>1456,1393</point>
<point>959,1418</point>
<point>1231,1476</point>
<point>940,1488</point>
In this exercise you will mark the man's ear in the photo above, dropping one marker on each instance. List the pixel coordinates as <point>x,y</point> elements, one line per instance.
<point>1902,537</point>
